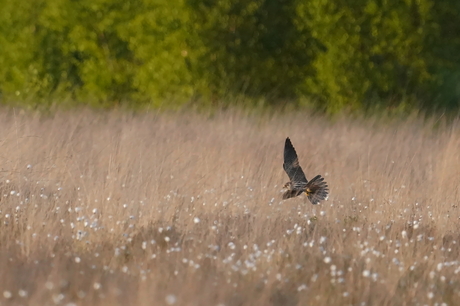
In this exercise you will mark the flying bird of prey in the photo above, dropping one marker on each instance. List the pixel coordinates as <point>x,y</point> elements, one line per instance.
<point>316,189</point>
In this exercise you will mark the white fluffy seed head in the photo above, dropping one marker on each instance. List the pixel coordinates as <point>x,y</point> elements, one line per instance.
<point>171,299</point>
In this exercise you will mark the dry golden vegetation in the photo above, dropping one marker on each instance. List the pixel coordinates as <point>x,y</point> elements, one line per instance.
<point>185,209</point>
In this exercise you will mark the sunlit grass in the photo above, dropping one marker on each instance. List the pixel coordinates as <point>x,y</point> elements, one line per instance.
<point>117,209</point>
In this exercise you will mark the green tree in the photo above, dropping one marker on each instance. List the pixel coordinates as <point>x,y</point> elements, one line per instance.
<point>444,47</point>
<point>158,36</point>
<point>373,51</point>
<point>251,47</point>
<point>17,40</point>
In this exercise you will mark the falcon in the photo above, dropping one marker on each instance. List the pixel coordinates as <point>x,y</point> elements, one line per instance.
<point>316,189</point>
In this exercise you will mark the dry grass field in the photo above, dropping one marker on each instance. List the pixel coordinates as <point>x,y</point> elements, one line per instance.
<point>113,208</point>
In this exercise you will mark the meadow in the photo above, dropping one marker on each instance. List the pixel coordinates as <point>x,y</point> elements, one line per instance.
<point>114,208</point>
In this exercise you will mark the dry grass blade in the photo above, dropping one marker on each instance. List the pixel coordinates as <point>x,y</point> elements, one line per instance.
<point>117,209</point>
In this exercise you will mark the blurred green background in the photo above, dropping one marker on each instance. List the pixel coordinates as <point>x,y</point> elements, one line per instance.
<point>329,55</point>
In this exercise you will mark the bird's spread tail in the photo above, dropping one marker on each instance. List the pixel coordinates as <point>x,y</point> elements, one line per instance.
<point>316,189</point>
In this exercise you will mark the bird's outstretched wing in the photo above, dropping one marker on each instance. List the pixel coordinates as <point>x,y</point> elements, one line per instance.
<point>317,189</point>
<point>291,165</point>
<point>292,193</point>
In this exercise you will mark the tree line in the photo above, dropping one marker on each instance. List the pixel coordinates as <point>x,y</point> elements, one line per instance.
<point>327,54</point>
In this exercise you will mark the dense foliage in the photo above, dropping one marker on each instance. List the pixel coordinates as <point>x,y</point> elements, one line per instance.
<point>331,54</point>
